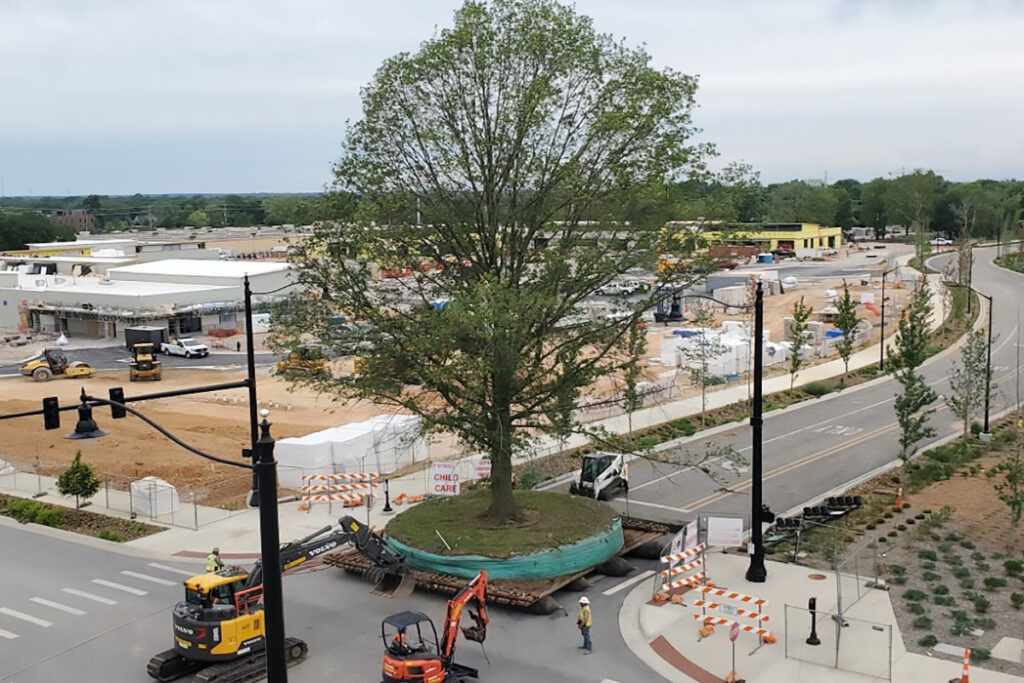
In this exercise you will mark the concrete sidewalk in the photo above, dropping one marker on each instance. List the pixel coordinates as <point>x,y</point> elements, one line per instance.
<point>666,636</point>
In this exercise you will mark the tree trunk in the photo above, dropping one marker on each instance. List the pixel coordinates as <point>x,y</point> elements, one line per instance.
<point>503,502</point>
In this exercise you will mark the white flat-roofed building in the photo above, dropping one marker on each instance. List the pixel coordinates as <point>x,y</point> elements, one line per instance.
<point>100,307</point>
<point>263,276</point>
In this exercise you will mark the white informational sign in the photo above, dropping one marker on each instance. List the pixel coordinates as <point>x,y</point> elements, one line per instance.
<point>483,468</point>
<point>728,609</point>
<point>677,542</point>
<point>444,479</point>
<point>725,532</point>
<point>691,535</point>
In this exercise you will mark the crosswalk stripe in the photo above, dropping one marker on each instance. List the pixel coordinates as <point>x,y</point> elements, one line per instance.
<point>121,587</point>
<point>57,605</point>
<point>89,596</point>
<point>147,577</point>
<point>7,634</point>
<point>628,582</point>
<point>25,617</point>
<point>174,570</point>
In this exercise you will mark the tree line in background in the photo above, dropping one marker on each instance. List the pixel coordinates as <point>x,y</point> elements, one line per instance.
<point>921,200</point>
<point>17,229</point>
<point>145,212</point>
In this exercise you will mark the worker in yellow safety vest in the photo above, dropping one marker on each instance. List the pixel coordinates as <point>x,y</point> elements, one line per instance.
<point>584,620</point>
<point>213,561</point>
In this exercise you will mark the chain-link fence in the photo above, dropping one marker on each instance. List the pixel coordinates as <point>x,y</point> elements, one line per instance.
<point>149,498</point>
<point>856,575</point>
<point>161,502</point>
<point>845,643</point>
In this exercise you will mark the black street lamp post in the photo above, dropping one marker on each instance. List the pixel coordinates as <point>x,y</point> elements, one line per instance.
<point>988,349</point>
<point>881,340</point>
<point>757,572</point>
<point>988,362</point>
<point>759,513</point>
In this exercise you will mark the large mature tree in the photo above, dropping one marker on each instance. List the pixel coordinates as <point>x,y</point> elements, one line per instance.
<point>478,165</point>
<point>873,211</point>
<point>802,201</point>
<point>18,229</point>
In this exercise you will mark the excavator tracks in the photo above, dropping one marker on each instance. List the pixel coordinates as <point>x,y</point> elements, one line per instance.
<point>169,666</point>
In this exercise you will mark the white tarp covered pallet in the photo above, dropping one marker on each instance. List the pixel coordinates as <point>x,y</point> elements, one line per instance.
<point>382,444</point>
<point>152,496</point>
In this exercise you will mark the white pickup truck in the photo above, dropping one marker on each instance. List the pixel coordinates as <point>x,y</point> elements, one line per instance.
<point>184,346</point>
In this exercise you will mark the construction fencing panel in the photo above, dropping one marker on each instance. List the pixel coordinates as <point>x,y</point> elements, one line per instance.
<point>856,576</point>
<point>848,644</point>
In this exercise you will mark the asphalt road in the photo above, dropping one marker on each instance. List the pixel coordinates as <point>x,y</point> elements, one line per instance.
<point>74,612</point>
<point>817,446</point>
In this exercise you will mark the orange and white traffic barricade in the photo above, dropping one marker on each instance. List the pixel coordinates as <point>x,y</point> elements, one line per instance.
<point>351,489</point>
<point>690,574</point>
<point>722,606</point>
<point>763,634</point>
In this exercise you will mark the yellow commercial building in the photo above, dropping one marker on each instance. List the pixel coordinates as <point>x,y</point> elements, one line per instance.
<point>766,236</point>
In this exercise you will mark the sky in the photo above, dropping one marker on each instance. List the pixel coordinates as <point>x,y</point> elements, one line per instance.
<point>233,96</point>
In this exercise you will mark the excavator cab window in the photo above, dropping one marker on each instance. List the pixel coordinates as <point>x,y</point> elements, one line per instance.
<point>194,597</point>
<point>225,593</point>
<point>412,635</point>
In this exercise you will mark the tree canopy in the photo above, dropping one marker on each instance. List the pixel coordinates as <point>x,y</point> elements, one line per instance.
<point>18,229</point>
<point>493,169</point>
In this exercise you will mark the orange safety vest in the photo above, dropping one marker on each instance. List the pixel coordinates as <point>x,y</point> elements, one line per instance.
<point>585,618</point>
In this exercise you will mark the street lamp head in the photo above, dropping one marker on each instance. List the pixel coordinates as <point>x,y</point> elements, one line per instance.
<point>86,428</point>
<point>264,413</point>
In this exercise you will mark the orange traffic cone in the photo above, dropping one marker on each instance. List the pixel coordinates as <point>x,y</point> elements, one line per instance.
<point>899,498</point>
<point>967,665</point>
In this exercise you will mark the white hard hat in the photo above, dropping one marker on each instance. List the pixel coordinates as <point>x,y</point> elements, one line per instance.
<point>584,600</point>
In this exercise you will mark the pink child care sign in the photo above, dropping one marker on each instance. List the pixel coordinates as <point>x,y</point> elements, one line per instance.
<point>444,479</point>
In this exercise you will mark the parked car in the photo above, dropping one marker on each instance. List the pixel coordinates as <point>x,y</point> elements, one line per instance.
<point>185,346</point>
<point>729,265</point>
<point>941,242</point>
<point>614,289</point>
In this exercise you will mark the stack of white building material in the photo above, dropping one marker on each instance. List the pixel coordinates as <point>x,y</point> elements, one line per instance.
<point>381,444</point>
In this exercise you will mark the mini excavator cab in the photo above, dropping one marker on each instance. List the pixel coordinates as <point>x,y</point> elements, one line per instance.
<point>412,651</point>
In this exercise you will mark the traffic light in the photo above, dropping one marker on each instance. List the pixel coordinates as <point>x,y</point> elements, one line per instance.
<point>117,396</point>
<point>51,413</point>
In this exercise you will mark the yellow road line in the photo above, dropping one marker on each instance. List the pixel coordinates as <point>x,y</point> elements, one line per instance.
<point>808,459</point>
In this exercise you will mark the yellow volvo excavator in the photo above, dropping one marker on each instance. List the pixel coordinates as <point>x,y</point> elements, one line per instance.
<point>219,628</point>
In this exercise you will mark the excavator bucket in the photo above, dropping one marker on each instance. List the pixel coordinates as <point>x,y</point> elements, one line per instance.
<point>474,633</point>
<point>391,584</point>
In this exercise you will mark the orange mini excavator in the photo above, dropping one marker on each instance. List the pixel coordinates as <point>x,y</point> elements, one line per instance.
<point>412,652</point>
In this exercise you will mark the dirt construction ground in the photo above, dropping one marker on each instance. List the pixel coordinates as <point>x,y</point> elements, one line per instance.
<point>216,423</point>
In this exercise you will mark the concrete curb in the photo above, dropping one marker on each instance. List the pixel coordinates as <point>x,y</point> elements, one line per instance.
<point>81,539</point>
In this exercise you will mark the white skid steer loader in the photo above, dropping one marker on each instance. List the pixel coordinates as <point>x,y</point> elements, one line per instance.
<point>601,476</point>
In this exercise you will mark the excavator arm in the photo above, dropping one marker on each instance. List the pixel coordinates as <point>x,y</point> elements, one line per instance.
<point>388,571</point>
<point>294,553</point>
<point>474,594</point>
